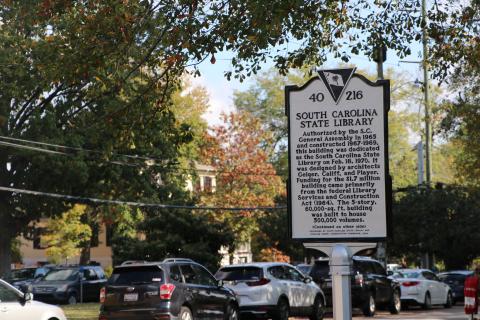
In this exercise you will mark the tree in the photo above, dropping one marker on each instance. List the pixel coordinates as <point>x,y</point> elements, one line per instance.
<point>244,176</point>
<point>88,77</point>
<point>175,233</point>
<point>65,234</point>
<point>443,221</point>
<point>89,74</point>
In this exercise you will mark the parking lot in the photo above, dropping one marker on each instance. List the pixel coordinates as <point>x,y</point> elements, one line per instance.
<point>437,313</point>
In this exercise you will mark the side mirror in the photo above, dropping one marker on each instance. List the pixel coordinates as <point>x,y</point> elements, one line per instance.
<point>220,283</point>
<point>28,296</point>
<point>307,279</point>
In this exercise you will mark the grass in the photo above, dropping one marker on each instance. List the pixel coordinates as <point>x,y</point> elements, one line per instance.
<point>82,311</point>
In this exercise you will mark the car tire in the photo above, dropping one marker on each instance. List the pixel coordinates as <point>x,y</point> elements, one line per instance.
<point>427,301</point>
<point>318,309</point>
<point>232,312</point>
<point>283,310</point>
<point>185,314</point>
<point>369,307</point>
<point>395,303</point>
<point>449,302</point>
<point>72,298</point>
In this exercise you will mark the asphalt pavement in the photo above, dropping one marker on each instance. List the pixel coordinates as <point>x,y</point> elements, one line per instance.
<point>436,313</point>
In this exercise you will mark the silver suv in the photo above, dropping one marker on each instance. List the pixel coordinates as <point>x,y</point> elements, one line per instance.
<point>274,290</point>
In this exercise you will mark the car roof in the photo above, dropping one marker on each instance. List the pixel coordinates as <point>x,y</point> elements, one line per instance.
<point>257,264</point>
<point>463,272</point>
<point>414,270</point>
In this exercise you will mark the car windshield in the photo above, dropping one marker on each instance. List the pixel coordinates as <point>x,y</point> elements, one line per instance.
<point>23,274</point>
<point>304,268</point>
<point>62,275</point>
<point>411,274</point>
<point>135,275</point>
<point>239,274</point>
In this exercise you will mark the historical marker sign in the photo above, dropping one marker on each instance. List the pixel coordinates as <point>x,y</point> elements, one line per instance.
<point>338,157</point>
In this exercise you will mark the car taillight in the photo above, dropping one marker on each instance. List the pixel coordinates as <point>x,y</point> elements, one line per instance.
<point>103,293</point>
<point>410,283</point>
<point>166,291</point>
<point>260,282</point>
<point>359,279</point>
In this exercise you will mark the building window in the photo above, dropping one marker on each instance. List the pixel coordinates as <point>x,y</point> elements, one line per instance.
<point>207,184</point>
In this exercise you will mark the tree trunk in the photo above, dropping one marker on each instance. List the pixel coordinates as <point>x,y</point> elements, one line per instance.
<point>85,255</point>
<point>5,252</point>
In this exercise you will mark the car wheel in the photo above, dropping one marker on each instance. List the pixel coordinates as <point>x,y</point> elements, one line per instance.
<point>72,298</point>
<point>369,307</point>
<point>318,309</point>
<point>395,303</point>
<point>449,302</point>
<point>232,312</point>
<point>427,302</point>
<point>282,311</point>
<point>185,314</point>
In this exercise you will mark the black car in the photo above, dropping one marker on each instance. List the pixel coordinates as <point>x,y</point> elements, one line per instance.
<point>371,286</point>
<point>456,281</point>
<point>171,289</point>
<point>70,285</point>
<point>23,278</point>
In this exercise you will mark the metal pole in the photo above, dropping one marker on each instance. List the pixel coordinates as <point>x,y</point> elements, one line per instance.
<point>340,268</point>
<point>380,63</point>
<point>420,162</point>
<point>428,129</point>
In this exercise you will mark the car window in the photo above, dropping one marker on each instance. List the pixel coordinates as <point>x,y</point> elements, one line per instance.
<point>204,277</point>
<point>277,272</point>
<point>175,274</point>
<point>125,276</point>
<point>239,274</point>
<point>293,274</point>
<point>304,268</point>
<point>363,267</point>
<point>62,275</point>
<point>22,274</point>
<point>411,274</point>
<point>379,268</point>
<point>428,275</point>
<point>7,294</point>
<point>100,273</point>
<point>90,274</point>
<point>189,274</point>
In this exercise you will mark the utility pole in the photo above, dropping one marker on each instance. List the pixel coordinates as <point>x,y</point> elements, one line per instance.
<point>428,126</point>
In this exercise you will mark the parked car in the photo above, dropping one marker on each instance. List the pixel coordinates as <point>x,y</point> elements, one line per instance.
<point>422,287</point>
<point>171,289</point>
<point>456,280</point>
<point>70,284</point>
<point>23,278</point>
<point>371,287</point>
<point>277,290</point>
<point>16,305</point>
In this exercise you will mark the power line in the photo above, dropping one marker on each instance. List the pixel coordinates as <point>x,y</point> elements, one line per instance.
<point>88,200</point>
<point>134,157</point>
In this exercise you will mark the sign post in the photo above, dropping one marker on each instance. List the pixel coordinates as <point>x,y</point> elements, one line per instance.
<point>339,189</point>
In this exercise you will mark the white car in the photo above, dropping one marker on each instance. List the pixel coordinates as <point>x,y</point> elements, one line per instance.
<point>15,305</point>
<point>277,290</point>
<point>423,287</point>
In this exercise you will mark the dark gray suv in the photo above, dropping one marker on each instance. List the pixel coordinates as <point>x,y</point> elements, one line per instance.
<point>171,289</point>
<point>371,286</point>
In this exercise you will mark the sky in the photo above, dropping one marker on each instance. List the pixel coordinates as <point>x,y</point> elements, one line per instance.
<point>221,90</point>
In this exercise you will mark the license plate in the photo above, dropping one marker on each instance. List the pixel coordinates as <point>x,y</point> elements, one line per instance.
<point>130,297</point>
